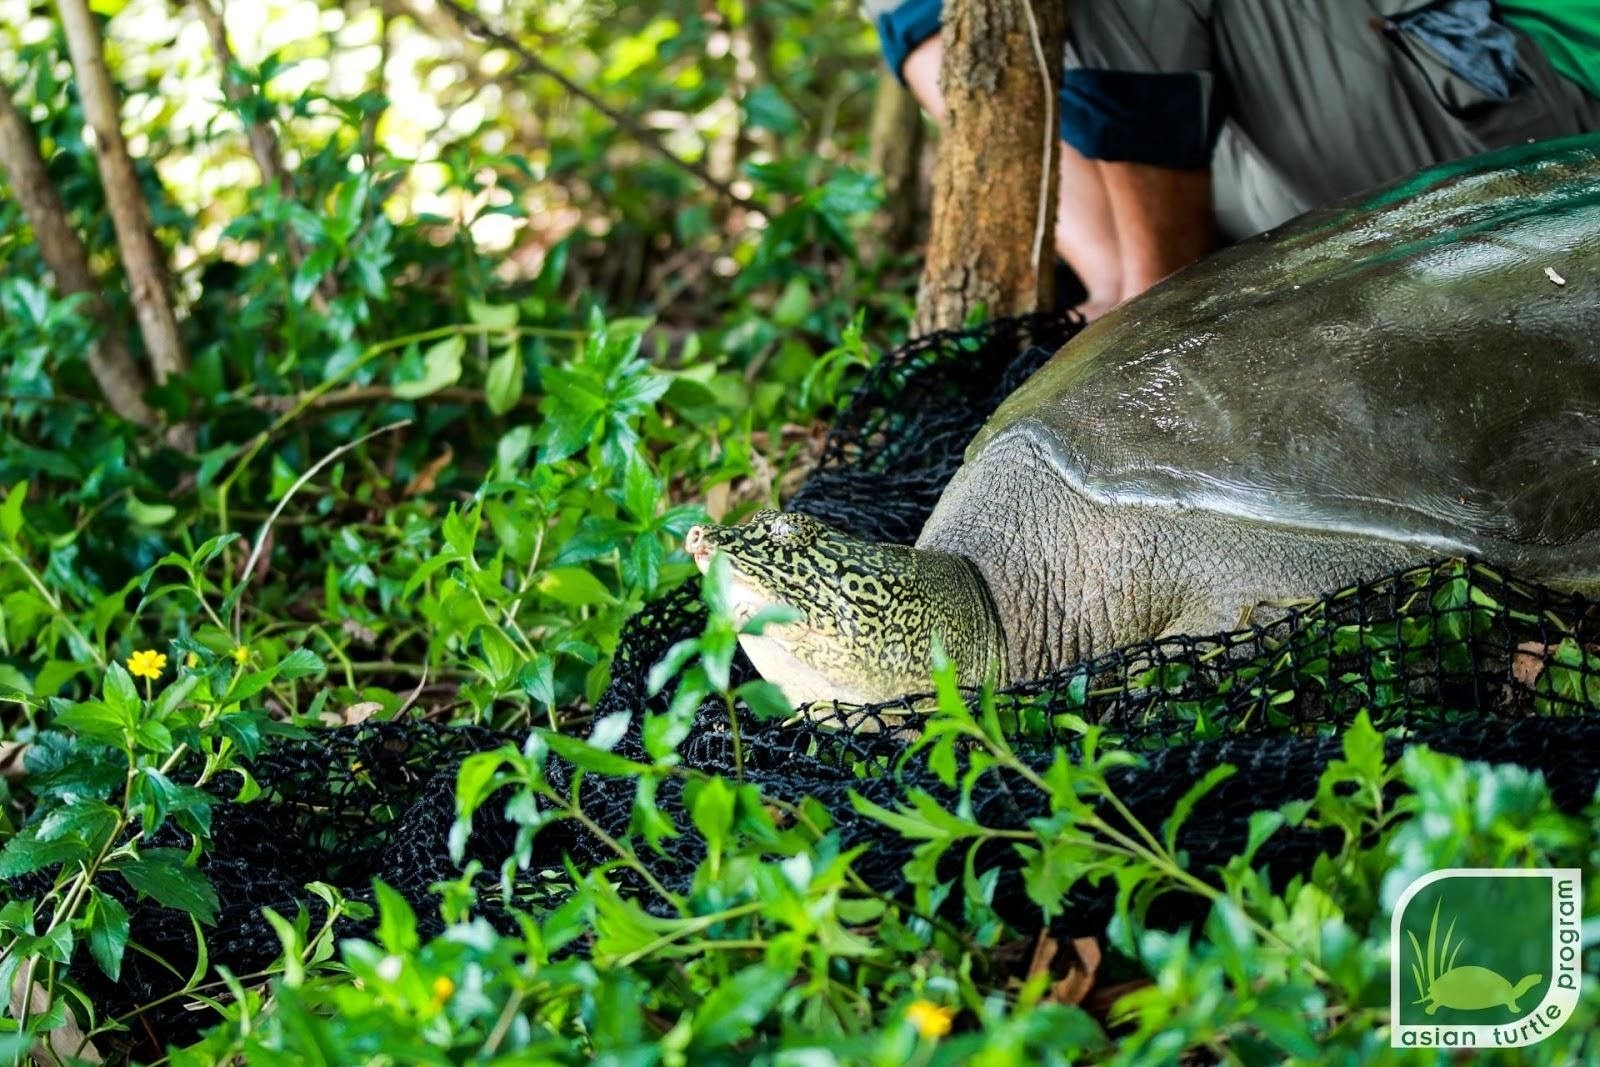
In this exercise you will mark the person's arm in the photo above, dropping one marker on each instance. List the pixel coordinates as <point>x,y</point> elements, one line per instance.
<point>1162,217</point>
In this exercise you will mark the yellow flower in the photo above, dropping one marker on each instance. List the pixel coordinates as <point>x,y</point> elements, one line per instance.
<point>192,660</point>
<point>930,1019</point>
<point>443,989</point>
<point>241,655</point>
<point>147,663</point>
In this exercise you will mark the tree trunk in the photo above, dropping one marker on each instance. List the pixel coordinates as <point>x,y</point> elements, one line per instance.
<point>896,156</point>
<point>113,367</point>
<point>995,185</point>
<point>141,254</point>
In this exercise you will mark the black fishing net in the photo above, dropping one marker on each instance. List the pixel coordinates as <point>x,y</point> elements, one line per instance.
<point>1453,655</point>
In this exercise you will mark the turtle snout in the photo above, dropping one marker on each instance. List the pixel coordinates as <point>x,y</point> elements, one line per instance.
<point>698,543</point>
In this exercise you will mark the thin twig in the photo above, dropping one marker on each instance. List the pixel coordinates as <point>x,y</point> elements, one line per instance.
<point>528,63</point>
<point>360,396</point>
<point>1046,170</point>
<point>261,538</point>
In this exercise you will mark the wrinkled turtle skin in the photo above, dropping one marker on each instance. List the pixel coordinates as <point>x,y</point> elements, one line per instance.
<point>1400,376</point>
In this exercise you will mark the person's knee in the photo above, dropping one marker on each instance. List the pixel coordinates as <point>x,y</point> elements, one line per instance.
<point>920,71</point>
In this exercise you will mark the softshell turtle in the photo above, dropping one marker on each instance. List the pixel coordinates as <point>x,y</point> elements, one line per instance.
<point>1405,375</point>
<point>1472,988</point>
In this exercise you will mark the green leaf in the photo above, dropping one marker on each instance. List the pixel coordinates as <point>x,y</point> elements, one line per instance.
<point>96,721</point>
<point>733,1009</point>
<point>1192,796</point>
<point>25,854</point>
<point>161,873</point>
<point>1363,748</point>
<point>149,514</point>
<point>766,109</point>
<point>610,729</point>
<point>582,754</point>
<point>641,489</point>
<point>301,663</point>
<point>108,932</point>
<point>441,367</point>
<point>764,699</point>
<point>499,653</point>
<point>492,316</point>
<point>85,819</point>
<point>210,550</point>
<point>503,383</point>
<point>711,806</point>
<point>795,303</point>
<point>565,432</point>
<point>120,692</point>
<point>397,923</point>
<point>475,778</point>
<point>574,587</point>
<point>11,511</point>
<point>64,766</point>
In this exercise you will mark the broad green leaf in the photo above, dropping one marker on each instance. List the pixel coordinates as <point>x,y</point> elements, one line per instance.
<point>574,587</point>
<point>24,854</point>
<point>795,303</point>
<point>150,514</point>
<point>584,755</point>
<point>492,316</point>
<point>301,663</point>
<point>765,699</point>
<point>503,383</point>
<point>499,653</point>
<point>86,819</point>
<point>97,721</point>
<point>475,778</point>
<point>731,1011</point>
<point>13,679</point>
<point>11,511</point>
<point>441,367</point>
<point>766,109</point>
<point>397,923</point>
<point>120,692</point>
<point>162,873</point>
<point>108,932</point>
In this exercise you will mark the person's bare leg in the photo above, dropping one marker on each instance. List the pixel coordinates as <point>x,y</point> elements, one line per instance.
<point>1162,217</point>
<point>1086,232</point>
<point>1086,235</point>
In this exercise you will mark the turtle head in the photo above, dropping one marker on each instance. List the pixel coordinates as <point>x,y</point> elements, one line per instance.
<point>869,613</point>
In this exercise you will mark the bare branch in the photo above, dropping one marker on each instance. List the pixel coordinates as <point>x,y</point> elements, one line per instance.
<point>528,63</point>
<point>130,215</point>
<point>113,367</point>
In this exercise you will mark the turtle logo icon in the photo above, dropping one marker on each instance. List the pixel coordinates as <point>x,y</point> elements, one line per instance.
<point>1492,957</point>
<point>1467,988</point>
